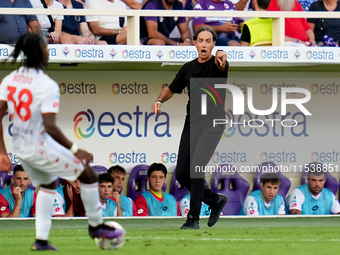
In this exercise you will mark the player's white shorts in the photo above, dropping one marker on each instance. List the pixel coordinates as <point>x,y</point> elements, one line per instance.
<point>51,161</point>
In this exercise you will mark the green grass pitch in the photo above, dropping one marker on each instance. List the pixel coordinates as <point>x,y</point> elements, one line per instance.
<point>230,236</point>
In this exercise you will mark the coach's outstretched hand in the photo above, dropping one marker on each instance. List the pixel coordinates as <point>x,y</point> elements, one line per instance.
<point>5,163</point>
<point>220,59</point>
<point>156,107</point>
<point>84,156</point>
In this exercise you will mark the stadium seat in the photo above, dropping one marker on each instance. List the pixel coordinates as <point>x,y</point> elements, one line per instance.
<point>3,176</point>
<point>284,181</point>
<point>230,184</point>
<point>175,189</point>
<point>138,183</point>
<point>99,169</point>
<point>332,184</point>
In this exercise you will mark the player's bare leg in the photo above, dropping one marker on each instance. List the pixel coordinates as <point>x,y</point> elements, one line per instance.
<point>89,193</point>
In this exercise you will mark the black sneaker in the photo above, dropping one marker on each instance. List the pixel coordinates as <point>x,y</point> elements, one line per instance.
<point>217,209</point>
<point>105,231</point>
<point>39,247</point>
<point>191,223</point>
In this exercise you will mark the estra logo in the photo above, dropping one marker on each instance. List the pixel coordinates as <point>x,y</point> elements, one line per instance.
<point>278,157</point>
<point>77,88</point>
<point>167,157</point>
<point>325,89</point>
<point>124,124</point>
<point>129,157</point>
<point>132,88</point>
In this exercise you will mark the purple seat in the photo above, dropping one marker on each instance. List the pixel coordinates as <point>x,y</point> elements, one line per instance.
<point>233,185</point>
<point>284,181</point>
<point>99,169</point>
<point>332,184</point>
<point>176,189</point>
<point>138,182</point>
<point>3,178</point>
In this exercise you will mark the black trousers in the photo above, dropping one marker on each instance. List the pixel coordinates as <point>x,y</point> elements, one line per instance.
<point>201,147</point>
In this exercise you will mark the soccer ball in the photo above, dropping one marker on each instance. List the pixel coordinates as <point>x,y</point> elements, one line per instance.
<point>111,244</point>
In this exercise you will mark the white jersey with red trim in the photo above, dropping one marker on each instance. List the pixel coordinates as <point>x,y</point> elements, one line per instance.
<point>29,93</point>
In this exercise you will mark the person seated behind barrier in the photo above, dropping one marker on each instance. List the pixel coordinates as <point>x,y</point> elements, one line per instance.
<point>50,31</point>
<point>155,202</point>
<point>17,200</point>
<point>75,29</point>
<point>305,4</point>
<point>224,26</point>
<point>313,197</point>
<point>110,29</point>
<point>126,204</point>
<point>184,206</point>
<point>265,201</point>
<point>105,183</point>
<point>324,26</point>
<point>257,29</point>
<point>13,26</point>
<point>297,30</point>
<point>156,30</point>
<point>67,202</point>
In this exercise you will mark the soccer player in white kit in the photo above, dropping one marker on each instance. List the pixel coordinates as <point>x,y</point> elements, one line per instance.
<point>32,99</point>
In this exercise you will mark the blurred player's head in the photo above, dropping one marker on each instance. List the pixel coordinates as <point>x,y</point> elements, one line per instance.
<point>118,174</point>
<point>75,185</point>
<point>105,186</point>
<point>20,178</point>
<point>205,40</point>
<point>157,176</point>
<point>261,4</point>
<point>34,47</point>
<point>316,181</point>
<point>270,186</point>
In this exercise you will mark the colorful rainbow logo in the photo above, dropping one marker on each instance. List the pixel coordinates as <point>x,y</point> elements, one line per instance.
<point>90,130</point>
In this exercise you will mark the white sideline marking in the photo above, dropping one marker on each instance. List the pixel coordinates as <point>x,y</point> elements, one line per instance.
<point>179,217</point>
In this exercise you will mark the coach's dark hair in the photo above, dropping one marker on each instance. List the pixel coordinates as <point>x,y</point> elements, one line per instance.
<point>212,31</point>
<point>270,178</point>
<point>18,168</point>
<point>157,167</point>
<point>105,177</point>
<point>116,169</point>
<point>31,45</point>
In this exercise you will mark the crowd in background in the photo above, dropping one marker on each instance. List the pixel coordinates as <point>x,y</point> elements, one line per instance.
<point>175,31</point>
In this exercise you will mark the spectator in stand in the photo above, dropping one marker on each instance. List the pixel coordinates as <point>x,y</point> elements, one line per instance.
<point>50,24</point>
<point>132,4</point>
<point>257,30</point>
<point>67,202</point>
<point>297,30</point>
<point>224,26</point>
<point>17,200</point>
<point>155,202</point>
<point>13,26</point>
<point>75,29</point>
<point>109,207</point>
<point>305,4</point>
<point>126,204</point>
<point>156,30</point>
<point>322,27</point>
<point>109,29</point>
